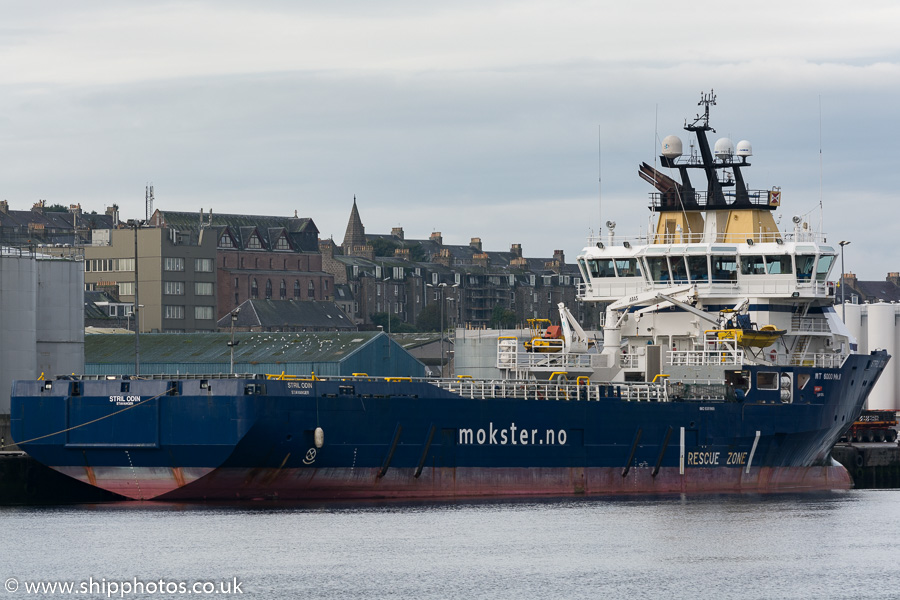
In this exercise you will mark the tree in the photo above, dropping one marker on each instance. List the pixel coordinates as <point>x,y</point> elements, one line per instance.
<point>430,318</point>
<point>502,318</point>
<point>396,325</point>
<point>384,247</point>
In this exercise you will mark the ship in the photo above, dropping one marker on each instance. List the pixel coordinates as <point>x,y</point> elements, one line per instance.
<point>722,368</point>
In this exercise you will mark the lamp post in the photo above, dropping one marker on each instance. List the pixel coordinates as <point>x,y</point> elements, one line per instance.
<point>135,224</point>
<point>449,324</point>
<point>843,243</point>
<point>441,286</point>
<point>232,343</point>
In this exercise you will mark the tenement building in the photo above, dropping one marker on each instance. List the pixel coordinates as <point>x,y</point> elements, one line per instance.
<point>258,257</point>
<point>389,273</point>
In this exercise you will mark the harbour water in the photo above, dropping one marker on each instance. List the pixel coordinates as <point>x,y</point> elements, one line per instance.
<point>823,545</point>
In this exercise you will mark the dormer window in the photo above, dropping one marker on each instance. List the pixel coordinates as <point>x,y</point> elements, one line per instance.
<point>282,243</point>
<point>254,242</point>
<point>226,242</point>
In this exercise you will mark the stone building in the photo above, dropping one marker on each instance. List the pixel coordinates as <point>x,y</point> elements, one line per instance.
<point>389,273</point>
<point>43,226</point>
<point>259,257</point>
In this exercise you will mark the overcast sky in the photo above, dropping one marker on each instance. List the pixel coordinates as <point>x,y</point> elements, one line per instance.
<point>488,119</point>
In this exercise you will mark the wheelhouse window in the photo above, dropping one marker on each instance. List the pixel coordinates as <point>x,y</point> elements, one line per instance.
<point>778,265</point>
<point>698,268</point>
<point>583,268</point>
<point>627,267</point>
<point>805,264</point>
<point>679,269</point>
<point>724,268</point>
<point>753,265</point>
<point>823,266</point>
<point>602,267</point>
<point>658,268</point>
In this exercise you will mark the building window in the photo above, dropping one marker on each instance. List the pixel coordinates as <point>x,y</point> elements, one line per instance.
<point>173,264</point>
<point>174,312</point>
<point>254,243</point>
<point>282,243</point>
<point>203,265</point>
<point>254,289</point>
<point>203,288</point>
<point>203,312</point>
<point>268,289</point>
<point>125,264</point>
<point>325,286</point>
<point>226,242</point>
<point>311,290</point>
<point>126,288</point>
<point>173,288</point>
<point>282,290</point>
<point>296,290</point>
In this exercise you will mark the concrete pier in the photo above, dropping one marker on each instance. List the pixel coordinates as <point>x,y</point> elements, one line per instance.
<point>871,465</point>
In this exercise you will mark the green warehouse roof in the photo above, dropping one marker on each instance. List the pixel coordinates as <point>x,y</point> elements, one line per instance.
<point>213,347</point>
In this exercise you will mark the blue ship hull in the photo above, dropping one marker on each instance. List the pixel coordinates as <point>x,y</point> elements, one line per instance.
<point>235,438</point>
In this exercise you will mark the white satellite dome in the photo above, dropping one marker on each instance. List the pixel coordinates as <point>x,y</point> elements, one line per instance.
<point>744,148</point>
<point>671,146</point>
<point>724,148</point>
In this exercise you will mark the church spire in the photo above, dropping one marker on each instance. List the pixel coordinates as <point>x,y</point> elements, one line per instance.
<point>356,231</point>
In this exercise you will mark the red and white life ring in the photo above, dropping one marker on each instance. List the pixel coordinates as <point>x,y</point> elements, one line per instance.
<point>773,355</point>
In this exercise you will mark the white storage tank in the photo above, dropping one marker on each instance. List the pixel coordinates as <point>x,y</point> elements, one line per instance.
<point>882,333</point>
<point>42,318</point>
<point>854,322</point>
<point>60,323</point>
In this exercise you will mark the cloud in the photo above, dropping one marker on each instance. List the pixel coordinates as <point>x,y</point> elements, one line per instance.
<point>492,120</point>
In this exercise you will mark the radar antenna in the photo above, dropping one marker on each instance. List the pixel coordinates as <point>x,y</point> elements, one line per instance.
<point>705,101</point>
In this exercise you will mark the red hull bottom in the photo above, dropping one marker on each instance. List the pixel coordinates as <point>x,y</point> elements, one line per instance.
<point>334,484</point>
